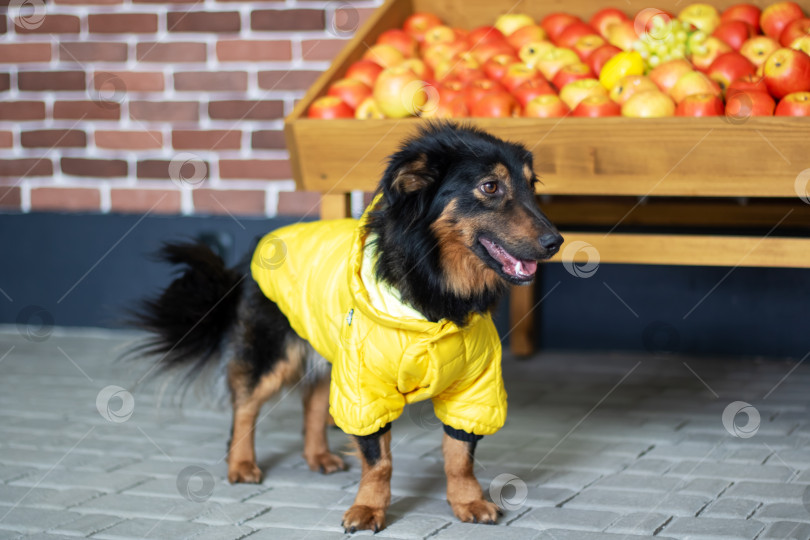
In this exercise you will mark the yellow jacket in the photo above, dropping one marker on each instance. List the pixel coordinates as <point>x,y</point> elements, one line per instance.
<point>380,361</point>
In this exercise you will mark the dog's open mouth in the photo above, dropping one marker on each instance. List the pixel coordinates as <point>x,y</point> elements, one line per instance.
<point>518,269</point>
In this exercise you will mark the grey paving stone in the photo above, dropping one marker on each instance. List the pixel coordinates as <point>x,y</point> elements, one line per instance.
<point>9,473</point>
<point>230,513</point>
<point>298,534</point>
<point>540,496</point>
<point>45,497</point>
<point>564,534</point>
<point>106,482</point>
<point>305,497</point>
<point>730,507</point>
<point>784,511</point>
<point>767,491</point>
<point>86,525</point>
<point>223,491</point>
<point>731,471</point>
<point>416,527</point>
<point>568,518</point>
<point>626,501</point>
<point>404,506</point>
<point>638,483</point>
<point>139,529</point>
<point>566,479</point>
<point>690,528</point>
<point>133,506</point>
<point>649,466</point>
<point>786,530</point>
<point>707,487</point>
<point>639,523</point>
<point>299,518</point>
<point>230,532</point>
<point>465,531</point>
<point>32,520</point>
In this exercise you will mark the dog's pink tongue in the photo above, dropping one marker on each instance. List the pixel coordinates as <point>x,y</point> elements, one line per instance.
<point>511,265</point>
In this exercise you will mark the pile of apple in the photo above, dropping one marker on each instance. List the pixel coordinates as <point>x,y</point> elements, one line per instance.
<point>741,62</point>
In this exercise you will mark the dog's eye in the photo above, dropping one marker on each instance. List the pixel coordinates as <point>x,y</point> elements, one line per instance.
<point>490,188</point>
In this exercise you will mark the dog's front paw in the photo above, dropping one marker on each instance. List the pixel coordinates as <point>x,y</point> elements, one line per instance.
<point>327,463</point>
<point>479,511</point>
<point>359,517</point>
<point>244,472</point>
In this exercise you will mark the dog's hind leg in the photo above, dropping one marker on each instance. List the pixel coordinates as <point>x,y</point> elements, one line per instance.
<point>316,418</point>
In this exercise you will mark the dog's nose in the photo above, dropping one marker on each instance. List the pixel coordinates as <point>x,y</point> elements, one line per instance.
<point>551,242</point>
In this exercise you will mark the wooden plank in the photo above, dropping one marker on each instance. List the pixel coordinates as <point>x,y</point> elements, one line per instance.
<point>336,205</point>
<point>697,250</point>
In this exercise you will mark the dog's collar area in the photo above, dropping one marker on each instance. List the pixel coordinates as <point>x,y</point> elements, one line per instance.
<point>382,296</point>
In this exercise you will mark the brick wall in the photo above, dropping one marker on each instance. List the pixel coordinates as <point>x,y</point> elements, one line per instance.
<point>162,107</point>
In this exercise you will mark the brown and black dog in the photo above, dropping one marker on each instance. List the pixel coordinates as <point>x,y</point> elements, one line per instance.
<point>454,224</point>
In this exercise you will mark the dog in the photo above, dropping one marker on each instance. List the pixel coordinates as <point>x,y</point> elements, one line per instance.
<point>369,315</point>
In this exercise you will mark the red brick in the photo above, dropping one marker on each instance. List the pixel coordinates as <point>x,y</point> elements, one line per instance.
<point>202,21</point>
<point>215,139</point>
<point>125,140</point>
<point>159,169</point>
<point>155,201</point>
<point>170,52</point>
<point>287,80</point>
<point>96,168</point>
<point>6,139</point>
<point>128,81</point>
<point>299,203</point>
<point>255,169</point>
<point>60,199</point>
<point>93,51</point>
<point>245,110</point>
<point>266,139</point>
<point>122,23</point>
<point>321,49</point>
<point>253,50</point>
<point>5,82</point>
<point>22,110</point>
<point>287,20</point>
<point>86,110</point>
<point>209,201</point>
<point>10,198</point>
<point>21,168</point>
<point>234,81</point>
<point>51,24</point>
<point>21,53</point>
<point>53,138</point>
<point>51,80</point>
<point>165,111</point>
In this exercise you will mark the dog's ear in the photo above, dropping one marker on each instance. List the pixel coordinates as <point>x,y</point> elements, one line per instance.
<point>412,176</point>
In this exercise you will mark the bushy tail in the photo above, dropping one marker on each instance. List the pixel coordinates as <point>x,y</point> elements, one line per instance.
<point>189,320</point>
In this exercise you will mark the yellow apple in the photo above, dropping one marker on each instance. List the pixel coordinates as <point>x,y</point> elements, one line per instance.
<point>649,104</point>
<point>575,91</point>
<point>530,53</point>
<point>554,59</point>
<point>510,22</point>
<point>704,16</point>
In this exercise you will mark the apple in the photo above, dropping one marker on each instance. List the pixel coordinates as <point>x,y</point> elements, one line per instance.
<point>749,83</point>
<point>527,34</point>
<point>495,67</point>
<point>365,71</point>
<point>596,107</point>
<point>572,33</point>
<point>517,74</point>
<point>531,89</point>
<point>692,83</point>
<point>419,23</point>
<point>351,91</point>
<point>485,34</point>
<point>622,34</point>
<point>653,24</point>
<point>743,105</point>
<point>436,53</point>
<point>485,51</point>
<point>419,68</point>
<point>385,56</point>
<point>667,74</point>
<point>401,41</point>
<point>508,23</point>
<point>530,53</point>
<point>476,90</point>
<point>700,105</point>
<point>802,44</point>
<point>586,45</point>
<point>794,30</point>
<point>702,16</point>
<point>575,91</point>
<point>546,106</point>
<point>555,23</point>
<point>713,48</point>
<point>758,49</point>
<point>629,85</point>
<point>795,104</point>
<point>624,63</point>
<point>450,88</point>
<point>604,18</point>
<point>572,72</point>
<point>734,33</point>
<point>554,59</point>
<point>450,108</point>
<point>777,16</point>
<point>440,34</point>
<point>787,71</point>
<point>728,67</point>
<point>746,13</point>
<point>497,105</point>
<point>598,58</point>
<point>368,110</point>
<point>649,104</point>
<point>329,107</point>
<point>463,66</point>
<point>399,92</point>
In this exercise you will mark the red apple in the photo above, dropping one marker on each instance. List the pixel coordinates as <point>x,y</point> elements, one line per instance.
<point>758,49</point>
<point>365,71</point>
<point>572,72</point>
<point>526,34</point>
<point>749,83</point>
<point>419,68</point>
<point>450,108</point>
<point>704,17</point>
<point>485,51</point>
<point>795,104</point>
<point>714,48</point>
<point>555,23</point>
<point>351,91</point>
<point>368,110</point>
<point>649,104</point>
<point>604,18</point>
<point>400,93</point>
<point>700,105</point>
<point>729,67</point>
<point>435,54</point>
<point>597,106</point>
<point>601,55</point>
<point>629,85</point>
<point>622,34</point>
<point>450,88</point>
<point>734,33</point>
<point>743,105</point>
<point>401,41</point>
<point>546,106</point>
<point>517,74</point>
<point>495,68</point>
<point>572,33</point>
<point>329,107</point>
<point>531,89</point>
<point>693,83</point>
<point>440,34</point>
<point>742,12</point>
<point>653,23</point>
<point>476,90</point>
<point>574,92</point>
<point>463,66</point>
<point>385,56</point>
<point>485,34</point>
<point>531,53</point>
<point>497,105</point>
<point>586,45</point>
<point>787,71</point>
<point>419,23</point>
<point>666,75</point>
<point>553,61</point>
<point>794,30</point>
<point>777,16</point>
